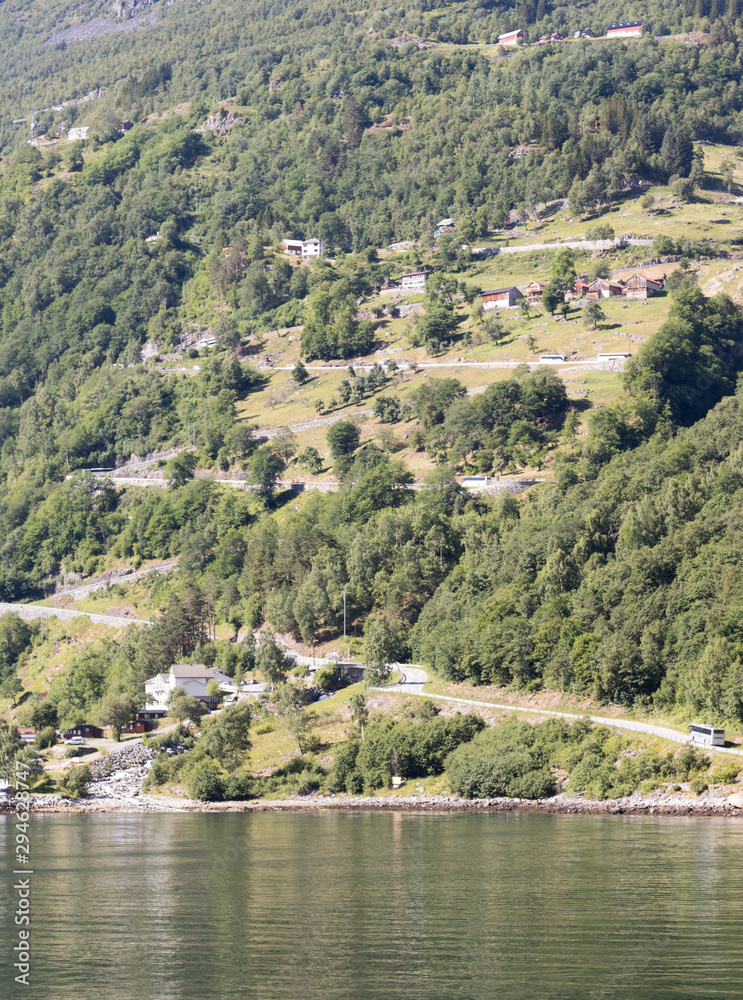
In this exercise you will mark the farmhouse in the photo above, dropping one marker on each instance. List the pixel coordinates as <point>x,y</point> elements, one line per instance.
<point>500,298</point>
<point>313,248</point>
<point>303,248</point>
<point>78,133</point>
<point>414,279</point>
<point>640,286</point>
<point>512,37</point>
<point>88,732</point>
<point>534,291</point>
<point>602,288</point>
<point>192,677</point>
<point>628,29</point>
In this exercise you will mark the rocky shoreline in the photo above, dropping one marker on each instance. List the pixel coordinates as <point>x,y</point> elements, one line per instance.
<point>117,788</point>
<point>120,792</point>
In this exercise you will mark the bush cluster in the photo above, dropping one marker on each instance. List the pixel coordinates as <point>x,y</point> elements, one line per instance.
<point>519,760</point>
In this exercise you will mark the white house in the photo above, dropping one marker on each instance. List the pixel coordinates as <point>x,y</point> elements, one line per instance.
<point>512,37</point>
<point>79,132</point>
<point>192,677</point>
<point>303,248</point>
<point>414,280</point>
<point>313,248</point>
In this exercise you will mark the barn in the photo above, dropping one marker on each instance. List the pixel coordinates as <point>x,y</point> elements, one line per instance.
<point>640,286</point>
<point>628,29</point>
<point>516,37</point>
<point>501,298</point>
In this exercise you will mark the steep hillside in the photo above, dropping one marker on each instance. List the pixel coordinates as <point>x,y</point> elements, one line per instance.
<point>210,132</point>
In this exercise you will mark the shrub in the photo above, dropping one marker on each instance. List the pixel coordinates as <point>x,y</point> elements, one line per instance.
<point>204,782</point>
<point>327,678</point>
<point>236,788</point>
<point>308,783</point>
<point>159,772</point>
<point>76,781</point>
<point>486,769</point>
<point>726,774</point>
<point>698,784</point>
<point>420,749</point>
<point>46,738</point>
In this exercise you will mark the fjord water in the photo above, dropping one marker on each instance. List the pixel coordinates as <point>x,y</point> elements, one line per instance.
<point>366,906</point>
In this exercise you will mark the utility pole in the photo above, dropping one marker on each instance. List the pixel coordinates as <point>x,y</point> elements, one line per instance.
<point>344,614</point>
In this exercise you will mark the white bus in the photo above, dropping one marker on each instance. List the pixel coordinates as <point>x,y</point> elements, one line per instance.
<point>706,735</point>
<point>549,359</point>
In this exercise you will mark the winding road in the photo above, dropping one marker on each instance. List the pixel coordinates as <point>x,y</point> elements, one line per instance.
<point>414,678</point>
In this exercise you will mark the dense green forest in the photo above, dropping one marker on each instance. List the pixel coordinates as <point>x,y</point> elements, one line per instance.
<point>619,580</point>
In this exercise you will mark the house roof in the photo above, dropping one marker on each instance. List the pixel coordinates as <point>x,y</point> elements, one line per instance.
<point>313,240</point>
<point>162,677</point>
<point>413,274</point>
<point>500,291</point>
<point>539,284</point>
<point>604,282</point>
<point>192,670</point>
<point>447,222</point>
<point>516,31</point>
<point>626,24</point>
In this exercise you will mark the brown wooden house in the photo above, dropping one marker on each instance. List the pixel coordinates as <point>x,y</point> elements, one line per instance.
<point>139,726</point>
<point>534,291</point>
<point>85,730</point>
<point>603,288</point>
<point>640,286</point>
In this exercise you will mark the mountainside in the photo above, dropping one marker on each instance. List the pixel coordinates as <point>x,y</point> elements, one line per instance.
<point>213,131</point>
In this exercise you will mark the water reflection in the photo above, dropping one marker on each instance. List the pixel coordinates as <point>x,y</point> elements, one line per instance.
<point>365,906</point>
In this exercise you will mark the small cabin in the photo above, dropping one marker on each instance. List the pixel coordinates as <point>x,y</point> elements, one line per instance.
<point>85,730</point>
<point>139,726</point>
<point>151,714</point>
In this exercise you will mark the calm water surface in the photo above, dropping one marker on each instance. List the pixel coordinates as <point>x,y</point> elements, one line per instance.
<point>369,906</point>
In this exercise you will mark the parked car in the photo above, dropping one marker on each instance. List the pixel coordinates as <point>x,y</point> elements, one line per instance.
<point>230,701</point>
<point>75,741</point>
